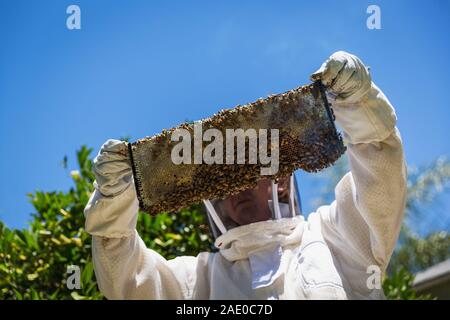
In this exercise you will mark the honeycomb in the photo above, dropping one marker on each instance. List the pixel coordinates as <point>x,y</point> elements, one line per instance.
<point>308,140</point>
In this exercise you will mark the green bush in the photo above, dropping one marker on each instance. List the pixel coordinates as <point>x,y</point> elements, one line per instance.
<point>416,254</point>
<point>399,286</point>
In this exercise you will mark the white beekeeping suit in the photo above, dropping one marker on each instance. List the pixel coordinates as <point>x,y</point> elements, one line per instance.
<point>331,255</point>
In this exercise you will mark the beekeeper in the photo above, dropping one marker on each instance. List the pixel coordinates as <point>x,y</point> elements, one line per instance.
<point>267,249</point>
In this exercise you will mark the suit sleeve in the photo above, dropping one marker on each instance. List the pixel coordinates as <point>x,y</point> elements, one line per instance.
<point>363,224</point>
<point>124,267</point>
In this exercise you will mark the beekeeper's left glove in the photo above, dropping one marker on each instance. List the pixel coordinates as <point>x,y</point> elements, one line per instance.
<point>361,109</point>
<point>345,75</point>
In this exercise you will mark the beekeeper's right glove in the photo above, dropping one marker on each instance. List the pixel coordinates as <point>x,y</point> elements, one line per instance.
<point>112,168</point>
<point>112,209</point>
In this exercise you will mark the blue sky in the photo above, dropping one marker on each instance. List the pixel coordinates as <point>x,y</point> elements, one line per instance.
<point>137,67</point>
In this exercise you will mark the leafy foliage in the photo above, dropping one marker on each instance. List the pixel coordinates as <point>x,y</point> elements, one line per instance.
<point>34,261</point>
<point>425,184</point>
<point>416,254</point>
<point>399,286</point>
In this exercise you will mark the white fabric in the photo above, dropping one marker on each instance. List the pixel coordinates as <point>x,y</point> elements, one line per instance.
<point>112,168</point>
<point>360,107</point>
<point>345,75</point>
<point>112,204</point>
<point>265,264</point>
<point>324,257</point>
<point>112,217</point>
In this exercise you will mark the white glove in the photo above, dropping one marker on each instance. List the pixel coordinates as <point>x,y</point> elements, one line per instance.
<point>112,168</point>
<point>112,209</point>
<point>360,107</point>
<point>345,75</point>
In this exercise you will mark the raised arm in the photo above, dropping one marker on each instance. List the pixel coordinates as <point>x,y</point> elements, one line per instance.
<point>363,223</point>
<point>124,267</point>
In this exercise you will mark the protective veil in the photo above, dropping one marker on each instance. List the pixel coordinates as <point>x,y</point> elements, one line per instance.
<point>334,253</point>
<point>281,206</point>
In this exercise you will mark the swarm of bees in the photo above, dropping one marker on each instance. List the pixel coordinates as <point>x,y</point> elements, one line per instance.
<point>307,140</point>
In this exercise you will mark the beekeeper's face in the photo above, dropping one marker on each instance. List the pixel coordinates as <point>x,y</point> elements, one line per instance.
<point>252,205</point>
